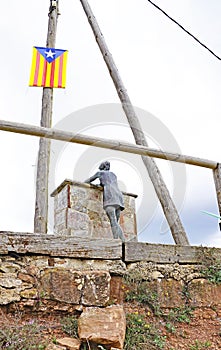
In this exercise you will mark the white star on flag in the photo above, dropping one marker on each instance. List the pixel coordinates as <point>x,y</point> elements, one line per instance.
<point>50,54</point>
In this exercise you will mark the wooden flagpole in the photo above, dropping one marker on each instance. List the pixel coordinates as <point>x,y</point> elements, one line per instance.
<point>41,200</point>
<point>169,209</point>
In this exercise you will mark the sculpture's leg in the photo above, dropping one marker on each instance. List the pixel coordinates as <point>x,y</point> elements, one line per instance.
<point>116,229</point>
<point>117,211</point>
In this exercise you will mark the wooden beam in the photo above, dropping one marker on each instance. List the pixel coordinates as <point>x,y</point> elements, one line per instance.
<point>168,254</point>
<point>43,164</point>
<point>61,135</point>
<point>165,199</point>
<point>55,245</point>
<point>217,180</point>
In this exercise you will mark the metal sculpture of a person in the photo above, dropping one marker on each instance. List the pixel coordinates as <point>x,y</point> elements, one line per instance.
<point>113,201</point>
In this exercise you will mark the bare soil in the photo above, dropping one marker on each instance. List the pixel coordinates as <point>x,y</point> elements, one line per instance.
<point>202,332</point>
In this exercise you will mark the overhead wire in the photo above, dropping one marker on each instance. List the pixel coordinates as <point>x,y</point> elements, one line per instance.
<point>185,30</point>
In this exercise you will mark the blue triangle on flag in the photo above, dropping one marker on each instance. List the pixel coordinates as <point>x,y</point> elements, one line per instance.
<point>50,54</point>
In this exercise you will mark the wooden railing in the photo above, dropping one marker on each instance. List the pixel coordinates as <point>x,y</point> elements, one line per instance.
<point>61,135</point>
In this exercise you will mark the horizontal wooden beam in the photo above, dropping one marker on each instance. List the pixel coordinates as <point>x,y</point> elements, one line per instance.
<point>60,246</point>
<point>61,135</point>
<point>168,254</point>
<point>16,243</point>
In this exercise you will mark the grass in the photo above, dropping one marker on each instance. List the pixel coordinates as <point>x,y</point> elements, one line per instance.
<point>22,337</point>
<point>213,273</point>
<point>141,335</point>
<point>140,292</point>
<point>70,326</point>
<point>198,345</point>
<point>180,314</point>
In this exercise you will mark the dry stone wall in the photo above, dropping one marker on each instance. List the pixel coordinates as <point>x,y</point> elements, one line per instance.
<point>95,288</point>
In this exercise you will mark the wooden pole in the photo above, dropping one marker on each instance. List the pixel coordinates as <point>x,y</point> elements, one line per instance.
<point>61,135</point>
<point>41,200</point>
<point>217,180</point>
<point>163,194</point>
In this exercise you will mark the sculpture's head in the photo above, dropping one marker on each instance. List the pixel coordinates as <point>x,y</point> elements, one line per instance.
<point>105,166</point>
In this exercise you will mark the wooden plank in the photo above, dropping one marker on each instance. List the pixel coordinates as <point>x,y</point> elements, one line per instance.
<point>217,180</point>
<point>53,245</point>
<point>41,199</point>
<point>168,254</point>
<point>56,134</point>
<point>165,199</point>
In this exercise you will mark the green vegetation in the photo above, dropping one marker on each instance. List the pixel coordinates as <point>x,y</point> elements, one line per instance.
<point>198,345</point>
<point>170,328</point>
<point>139,291</point>
<point>22,337</point>
<point>213,272</point>
<point>70,326</point>
<point>141,335</point>
<point>180,314</point>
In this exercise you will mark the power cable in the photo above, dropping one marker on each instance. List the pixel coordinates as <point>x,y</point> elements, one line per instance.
<point>185,30</point>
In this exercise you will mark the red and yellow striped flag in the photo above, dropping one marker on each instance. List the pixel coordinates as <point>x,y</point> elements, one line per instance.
<point>48,67</point>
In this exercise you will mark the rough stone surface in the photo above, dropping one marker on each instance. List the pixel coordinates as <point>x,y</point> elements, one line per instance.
<point>170,293</point>
<point>203,293</point>
<point>105,326</point>
<point>55,347</point>
<point>150,270</point>
<point>116,290</point>
<point>79,212</point>
<point>8,295</point>
<point>96,288</point>
<point>69,343</point>
<point>59,284</point>
<point>75,287</point>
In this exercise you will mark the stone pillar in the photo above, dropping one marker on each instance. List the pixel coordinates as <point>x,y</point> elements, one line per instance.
<point>78,211</point>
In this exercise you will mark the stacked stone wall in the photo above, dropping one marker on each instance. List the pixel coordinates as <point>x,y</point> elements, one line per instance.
<point>96,288</point>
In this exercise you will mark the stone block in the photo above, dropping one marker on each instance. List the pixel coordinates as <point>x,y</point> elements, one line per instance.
<point>7,296</point>
<point>95,194</point>
<point>26,278</point>
<point>77,220</point>
<point>128,224</point>
<point>116,290</point>
<point>105,326</point>
<point>31,293</point>
<point>170,293</point>
<point>9,267</point>
<point>62,199</point>
<point>60,219</point>
<point>9,280</point>
<point>96,289</point>
<point>203,293</point>
<point>79,198</point>
<point>79,233</point>
<point>100,232</point>
<point>69,343</point>
<point>55,347</point>
<point>62,285</point>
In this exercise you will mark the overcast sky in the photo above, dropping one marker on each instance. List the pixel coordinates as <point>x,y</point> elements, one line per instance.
<point>174,83</point>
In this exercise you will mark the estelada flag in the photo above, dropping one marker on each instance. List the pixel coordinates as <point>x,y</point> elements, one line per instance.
<point>48,67</point>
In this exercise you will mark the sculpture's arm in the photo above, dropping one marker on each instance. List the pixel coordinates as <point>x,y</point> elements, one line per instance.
<point>92,178</point>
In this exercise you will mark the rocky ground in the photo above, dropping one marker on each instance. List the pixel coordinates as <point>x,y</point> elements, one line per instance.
<point>201,331</point>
